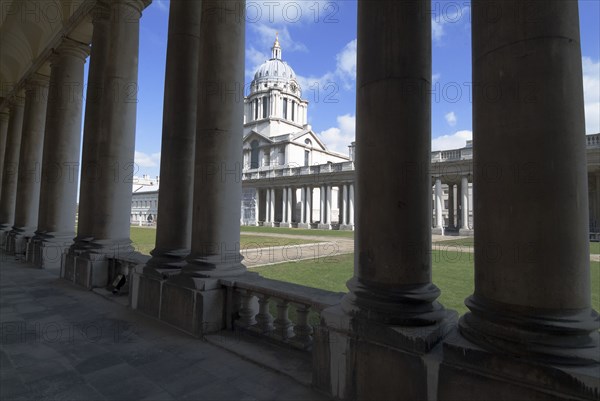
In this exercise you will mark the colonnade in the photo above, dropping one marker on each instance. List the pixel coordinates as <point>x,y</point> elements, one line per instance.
<point>311,213</point>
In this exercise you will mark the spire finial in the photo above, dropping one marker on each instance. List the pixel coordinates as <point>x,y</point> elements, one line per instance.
<point>276,49</point>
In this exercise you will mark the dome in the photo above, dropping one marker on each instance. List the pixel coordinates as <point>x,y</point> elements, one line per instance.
<point>274,69</point>
<point>276,73</point>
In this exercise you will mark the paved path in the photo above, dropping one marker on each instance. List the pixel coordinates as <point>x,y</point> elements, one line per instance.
<point>328,247</point>
<point>60,342</point>
<point>331,246</point>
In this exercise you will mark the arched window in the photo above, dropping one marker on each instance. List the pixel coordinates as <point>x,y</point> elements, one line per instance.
<point>254,163</point>
<point>308,143</point>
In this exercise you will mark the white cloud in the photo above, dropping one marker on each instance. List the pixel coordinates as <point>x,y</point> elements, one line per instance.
<point>162,5</point>
<point>450,119</point>
<point>437,30</point>
<point>445,14</point>
<point>265,39</point>
<point>339,138</point>
<point>344,74</point>
<point>435,77</point>
<point>591,92</point>
<point>144,160</point>
<point>267,33</point>
<point>346,60</point>
<point>453,141</point>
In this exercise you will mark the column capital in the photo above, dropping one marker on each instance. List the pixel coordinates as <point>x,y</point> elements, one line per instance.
<point>72,48</point>
<point>18,100</point>
<point>137,5</point>
<point>37,80</point>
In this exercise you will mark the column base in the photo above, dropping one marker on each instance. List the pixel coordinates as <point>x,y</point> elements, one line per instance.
<point>437,231</point>
<point>195,306</point>
<point>268,224</point>
<point>285,225</point>
<point>466,232</point>
<point>347,227</point>
<point>86,269</point>
<point>165,263</point>
<point>355,359</point>
<point>16,243</point>
<point>410,305</point>
<point>324,226</point>
<point>47,253</point>
<point>564,337</point>
<point>4,230</point>
<point>305,226</point>
<point>469,372</point>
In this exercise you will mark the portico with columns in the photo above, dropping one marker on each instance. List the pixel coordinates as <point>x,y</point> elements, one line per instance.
<point>388,336</point>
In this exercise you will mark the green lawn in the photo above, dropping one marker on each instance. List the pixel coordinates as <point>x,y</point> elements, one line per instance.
<point>452,273</point>
<point>144,239</point>
<point>297,231</point>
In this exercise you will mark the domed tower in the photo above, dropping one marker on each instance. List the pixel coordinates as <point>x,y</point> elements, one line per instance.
<point>274,106</point>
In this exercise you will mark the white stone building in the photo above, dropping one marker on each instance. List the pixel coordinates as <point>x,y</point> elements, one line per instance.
<point>144,200</point>
<point>277,134</point>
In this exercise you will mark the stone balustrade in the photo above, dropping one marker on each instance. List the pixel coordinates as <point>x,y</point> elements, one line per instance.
<point>258,297</point>
<point>593,141</point>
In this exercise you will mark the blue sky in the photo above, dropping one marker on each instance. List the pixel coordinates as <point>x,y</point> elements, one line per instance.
<point>318,39</point>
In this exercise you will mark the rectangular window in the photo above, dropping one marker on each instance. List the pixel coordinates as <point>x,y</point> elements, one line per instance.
<point>265,107</point>
<point>285,108</point>
<point>256,109</point>
<point>293,110</point>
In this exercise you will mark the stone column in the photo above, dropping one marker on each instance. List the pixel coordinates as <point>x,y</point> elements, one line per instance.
<point>93,121</point>
<point>464,195</point>
<point>30,165</point>
<point>532,280</point>
<point>289,206</point>
<point>393,227</point>
<point>322,208</point>
<point>257,207</point>
<point>439,204</point>
<point>303,208</point>
<point>267,207</point>
<point>4,117</point>
<point>174,228</point>
<point>344,205</point>
<point>451,206</point>
<point>217,181</point>
<point>109,144</point>
<point>60,166</point>
<point>11,167</point>
<point>284,204</point>
<point>329,206</point>
<point>351,206</point>
<point>271,201</point>
<point>309,206</point>
<point>390,318</point>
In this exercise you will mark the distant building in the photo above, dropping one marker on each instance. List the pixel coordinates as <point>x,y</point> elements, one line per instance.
<point>144,202</point>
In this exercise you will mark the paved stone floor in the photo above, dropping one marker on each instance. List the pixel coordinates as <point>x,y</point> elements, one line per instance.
<point>60,342</point>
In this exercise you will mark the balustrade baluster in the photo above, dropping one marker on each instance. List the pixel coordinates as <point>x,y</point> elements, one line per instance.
<point>246,311</point>
<point>283,325</point>
<point>302,330</point>
<point>264,319</point>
